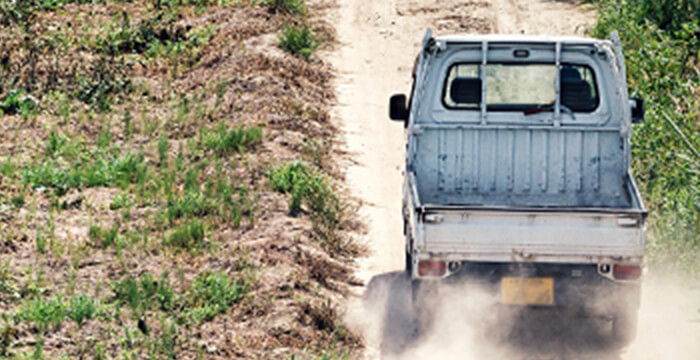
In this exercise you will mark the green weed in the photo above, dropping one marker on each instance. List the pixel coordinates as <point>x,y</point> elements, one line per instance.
<point>291,7</point>
<point>35,286</point>
<point>200,4</point>
<point>6,278</point>
<point>213,293</point>
<point>102,238</point>
<point>81,308</point>
<point>165,295</point>
<point>125,37</point>
<point>297,180</point>
<point>183,48</point>
<point>119,202</point>
<point>168,339</point>
<point>299,41</point>
<point>224,141</point>
<point>41,242</point>
<point>104,138</point>
<point>44,313</point>
<point>8,168</point>
<point>38,353</point>
<point>16,102</point>
<point>18,200</point>
<point>55,144</point>
<point>163,151</point>
<point>127,291</point>
<point>102,168</point>
<point>193,203</point>
<point>312,190</point>
<point>188,236</point>
<point>141,293</point>
<point>128,126</point>
<point>292,178</point>
<point>149,287</point>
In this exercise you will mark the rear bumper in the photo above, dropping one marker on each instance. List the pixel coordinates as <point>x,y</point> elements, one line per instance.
<point>577,287</point>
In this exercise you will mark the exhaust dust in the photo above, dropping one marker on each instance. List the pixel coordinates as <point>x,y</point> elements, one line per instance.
<point>466,325</point>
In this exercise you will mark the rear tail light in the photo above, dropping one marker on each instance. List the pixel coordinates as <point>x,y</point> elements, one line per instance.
<point>431,268</point>
<point>627,272</point>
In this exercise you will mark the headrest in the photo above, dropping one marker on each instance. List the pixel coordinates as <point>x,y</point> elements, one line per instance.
<point>576,95</point>
<point>466,90</point>
<point>569,73</point>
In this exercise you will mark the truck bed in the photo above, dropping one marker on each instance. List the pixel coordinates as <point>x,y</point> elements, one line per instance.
<point>584,235</point>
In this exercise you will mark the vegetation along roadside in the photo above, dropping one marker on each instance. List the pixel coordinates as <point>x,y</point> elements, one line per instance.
<point>661,40</point>
<point>166,183</point>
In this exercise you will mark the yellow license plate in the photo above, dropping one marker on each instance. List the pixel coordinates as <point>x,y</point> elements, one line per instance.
<point>527,291</point>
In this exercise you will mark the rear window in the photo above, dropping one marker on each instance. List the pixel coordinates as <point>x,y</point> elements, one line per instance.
<point>520,87</point>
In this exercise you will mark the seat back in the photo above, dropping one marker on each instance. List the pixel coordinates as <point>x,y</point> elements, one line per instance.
<point>466,91</point>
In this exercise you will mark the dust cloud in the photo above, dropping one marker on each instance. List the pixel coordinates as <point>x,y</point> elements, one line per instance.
<point>464,324</point>
<point>669,319</point>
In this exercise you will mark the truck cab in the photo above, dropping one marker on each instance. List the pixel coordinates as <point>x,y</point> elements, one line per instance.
<point>517,173</point>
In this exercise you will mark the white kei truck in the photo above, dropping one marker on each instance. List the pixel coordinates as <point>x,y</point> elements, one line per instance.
<point>518,173</point>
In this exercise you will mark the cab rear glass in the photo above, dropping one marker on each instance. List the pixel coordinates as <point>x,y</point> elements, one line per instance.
<point>520,86</point>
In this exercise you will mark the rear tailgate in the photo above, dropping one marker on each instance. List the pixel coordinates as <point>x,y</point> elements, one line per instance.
<point>560,236</point>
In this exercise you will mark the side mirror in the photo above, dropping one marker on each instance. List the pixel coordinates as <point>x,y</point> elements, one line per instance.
<point>637,106</point>
<point>397,108</point>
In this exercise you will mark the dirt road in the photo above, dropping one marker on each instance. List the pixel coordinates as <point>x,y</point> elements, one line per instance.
<point>379,41</point>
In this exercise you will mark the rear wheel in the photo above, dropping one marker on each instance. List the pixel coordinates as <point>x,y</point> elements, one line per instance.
<point>624,327</point>
<point>409,264</point>
<point>397,333</point>
<point>423,305</point>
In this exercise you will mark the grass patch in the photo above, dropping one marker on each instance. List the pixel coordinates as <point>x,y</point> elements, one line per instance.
<point>225,141</point>
<point>92,168</point>
<point>192,204</point>
<point>213,293</point>
<point>291,7</point>
<point>188,236</point>
<point>103,238</point>
<point>299,41</point>
<point>44,313</point>
<point>167,341</point>
<point>81,308</point>
<point>163,151</point>
<point>220,197</point>
<point>17,102</point>
<point>294,179</point>
<point>119,202</point>
<point>165,295</point>
<point>312,190</point>
<point>143,293</point>
<point>7,282</point>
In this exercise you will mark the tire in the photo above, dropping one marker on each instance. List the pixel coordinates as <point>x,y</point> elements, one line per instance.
<point>409,264</point>
<point>624,327</point>
<point>422,309</point>
<point>398,332</point>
